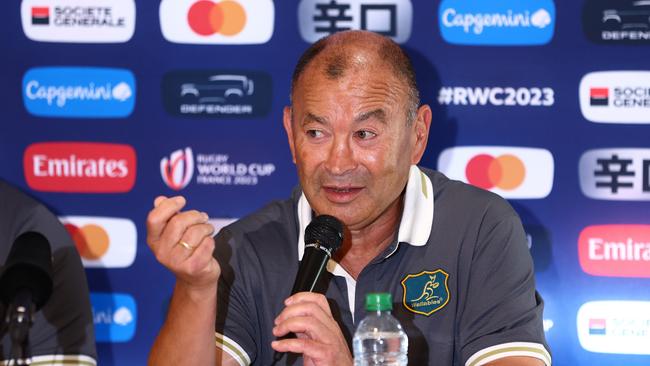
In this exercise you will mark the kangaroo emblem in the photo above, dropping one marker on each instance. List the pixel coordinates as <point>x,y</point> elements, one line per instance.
<point>428,291</point>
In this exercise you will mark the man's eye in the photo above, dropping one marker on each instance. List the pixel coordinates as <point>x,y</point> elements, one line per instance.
<point>364,135</point>
<point>314,133</point>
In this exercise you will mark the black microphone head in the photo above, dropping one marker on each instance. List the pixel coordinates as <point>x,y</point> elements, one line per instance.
<point>28,266</point>
<point>325,230</point>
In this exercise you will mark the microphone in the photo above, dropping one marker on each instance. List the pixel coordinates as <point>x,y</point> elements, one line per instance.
<point>323,236</point>
<point>25,286</point>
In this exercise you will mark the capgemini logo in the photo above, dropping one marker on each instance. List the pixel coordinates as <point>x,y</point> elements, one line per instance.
<point>122,92</point>
<point>178,169</point>
<point>541,18</point>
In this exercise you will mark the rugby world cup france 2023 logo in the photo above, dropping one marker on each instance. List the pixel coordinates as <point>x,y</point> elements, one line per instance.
<point>177,169</point>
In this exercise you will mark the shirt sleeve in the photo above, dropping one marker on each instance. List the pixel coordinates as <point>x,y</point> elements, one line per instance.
<point>235,325</point>
<point>63,331</point>
<point>502,313</point>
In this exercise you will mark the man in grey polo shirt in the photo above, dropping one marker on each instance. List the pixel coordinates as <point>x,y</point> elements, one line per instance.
<point>453,256</point>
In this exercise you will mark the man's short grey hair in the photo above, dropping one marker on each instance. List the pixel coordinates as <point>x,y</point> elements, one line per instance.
<point>338,61</point>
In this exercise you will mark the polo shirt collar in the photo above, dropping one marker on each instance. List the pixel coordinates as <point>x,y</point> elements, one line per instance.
<point>417,216</point>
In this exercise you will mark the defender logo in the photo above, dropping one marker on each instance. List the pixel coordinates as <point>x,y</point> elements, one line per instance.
<point>426,292</point>
<point>214,94</point>
<point>617,21</point>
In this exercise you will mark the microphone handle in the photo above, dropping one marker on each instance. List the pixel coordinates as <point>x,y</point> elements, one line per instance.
<point>313,264</point>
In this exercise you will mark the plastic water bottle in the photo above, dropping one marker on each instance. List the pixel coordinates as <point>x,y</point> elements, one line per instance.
<point>380,339</point>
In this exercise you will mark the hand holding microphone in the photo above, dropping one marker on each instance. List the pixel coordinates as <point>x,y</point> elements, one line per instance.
<point>307,314</point>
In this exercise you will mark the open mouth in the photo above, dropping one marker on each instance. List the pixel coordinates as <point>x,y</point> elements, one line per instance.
<point>341,194</point>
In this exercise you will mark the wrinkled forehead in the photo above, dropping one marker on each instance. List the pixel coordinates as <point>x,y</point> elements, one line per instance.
<point>340,60</point>
<point>357,71</point>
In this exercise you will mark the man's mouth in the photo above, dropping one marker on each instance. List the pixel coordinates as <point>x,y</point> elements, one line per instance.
<point>338,194</point>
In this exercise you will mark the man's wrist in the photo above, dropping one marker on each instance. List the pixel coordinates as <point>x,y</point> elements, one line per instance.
<point>196,293</point>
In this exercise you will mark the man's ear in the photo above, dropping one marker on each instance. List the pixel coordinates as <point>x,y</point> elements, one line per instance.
<point>421,127</point>
<point>288,127</point>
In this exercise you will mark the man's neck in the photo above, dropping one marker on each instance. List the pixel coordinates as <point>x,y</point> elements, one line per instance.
<point>367,243</point>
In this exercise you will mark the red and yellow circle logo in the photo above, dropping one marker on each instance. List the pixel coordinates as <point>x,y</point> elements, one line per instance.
<point>505,172</point>
<point>91,240</point>
<point>207,18</point>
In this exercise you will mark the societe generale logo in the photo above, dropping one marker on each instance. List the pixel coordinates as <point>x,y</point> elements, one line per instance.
<point>78,21</point>
<point>615,250</point>
<point>512,172</point>
<point>177,169</point>
<point>621,327</point>
<point>80,167</point>
<point>217,22</point>
<point>616,96</point>
<point>103,242</point>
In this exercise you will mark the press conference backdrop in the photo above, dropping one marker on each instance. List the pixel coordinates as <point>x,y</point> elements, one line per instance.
<point>108,103</point>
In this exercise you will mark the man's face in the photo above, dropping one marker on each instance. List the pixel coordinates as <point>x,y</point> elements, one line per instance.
<point>351,143</point>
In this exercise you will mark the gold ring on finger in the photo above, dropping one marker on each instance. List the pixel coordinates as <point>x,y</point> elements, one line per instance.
<point>186,246</point>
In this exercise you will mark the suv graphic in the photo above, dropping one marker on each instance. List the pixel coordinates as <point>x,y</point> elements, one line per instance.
<point>218,88</point>
<point>635,17</point>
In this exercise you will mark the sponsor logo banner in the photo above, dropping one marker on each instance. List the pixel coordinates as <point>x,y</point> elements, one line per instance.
<point>617,21</point>
<point>115,317</point>
<point>79,167</point>
<point>506,22</point>
<point>512,172</point>
<point>79,92</point>
<point>621,327</point>
<point>217,94</point>
<point>496,96</point>
<point>615,250</point>
<point>78,21</point>
<point>181,165</point>
<point>616,174</point>
<point>391,18</point>
<point>217,22</point>
<point>616,96</point>
<point>103,242</point>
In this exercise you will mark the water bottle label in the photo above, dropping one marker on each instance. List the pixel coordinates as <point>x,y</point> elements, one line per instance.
<point>426,292</point>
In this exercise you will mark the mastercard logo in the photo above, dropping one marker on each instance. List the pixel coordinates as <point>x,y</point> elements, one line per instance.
<point>505,171</point>
<point>226,17</point>
<point>103,242</point>
<point>91,240</point>
<point>217,22</point>
<point>512,172</point>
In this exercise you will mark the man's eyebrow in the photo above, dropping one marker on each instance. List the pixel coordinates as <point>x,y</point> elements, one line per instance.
<point>379,114</point>
<point>310,117</point>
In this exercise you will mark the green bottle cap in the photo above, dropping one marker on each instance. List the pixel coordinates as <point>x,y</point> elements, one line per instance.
<point>381,301</point>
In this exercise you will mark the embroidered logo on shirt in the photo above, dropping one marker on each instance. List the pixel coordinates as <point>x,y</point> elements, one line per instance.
<point>426,292</point>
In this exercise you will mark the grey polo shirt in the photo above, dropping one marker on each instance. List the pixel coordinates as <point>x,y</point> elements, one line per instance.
<point>462,280</point>
<point>63,331</point>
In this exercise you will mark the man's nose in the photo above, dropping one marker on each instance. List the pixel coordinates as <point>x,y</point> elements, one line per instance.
<point>341,157</point>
